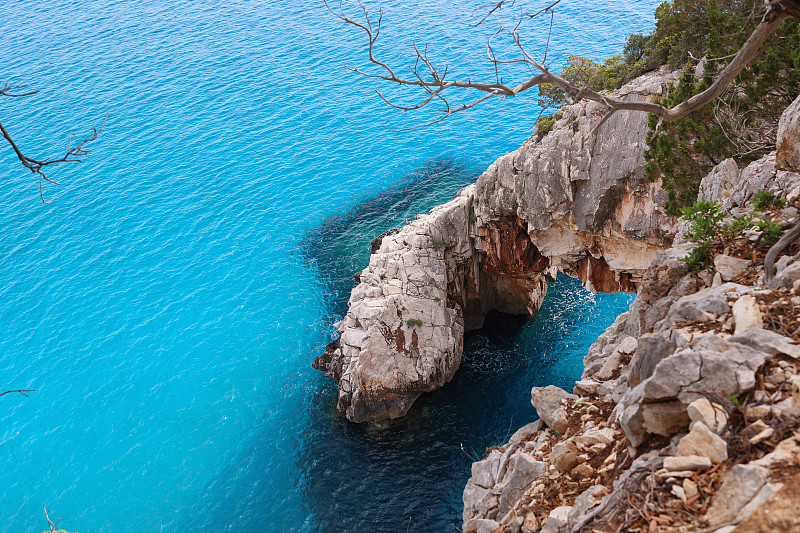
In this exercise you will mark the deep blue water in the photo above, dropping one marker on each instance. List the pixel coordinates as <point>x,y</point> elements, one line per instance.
<point>167,304</point>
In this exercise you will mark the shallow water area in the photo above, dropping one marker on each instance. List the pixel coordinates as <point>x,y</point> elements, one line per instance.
<point>167,304</point>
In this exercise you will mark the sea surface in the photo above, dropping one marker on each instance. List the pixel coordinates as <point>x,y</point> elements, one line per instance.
<point>167,303</point>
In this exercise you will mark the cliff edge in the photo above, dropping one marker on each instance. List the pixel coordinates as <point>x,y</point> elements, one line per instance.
<point>575,201</point>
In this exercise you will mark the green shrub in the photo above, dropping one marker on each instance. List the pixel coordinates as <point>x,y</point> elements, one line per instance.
<point>413,322</point>
<point>771,231</point>
<point>705,217</point>
<point>764,200</point>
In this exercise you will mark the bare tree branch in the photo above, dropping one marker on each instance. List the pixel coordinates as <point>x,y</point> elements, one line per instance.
<point>435,84</point>
<point>21,391</point>
<point>52,525</point>
<point>73,153</point>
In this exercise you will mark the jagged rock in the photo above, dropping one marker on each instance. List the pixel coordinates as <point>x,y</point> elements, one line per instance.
<point>628,345</point>
<point>785,454</point>
<point>563,457</point>
<point>557,520</point>
<point>478,501</point>
<point>768,341</point>
<point>717,185</point>
<point>586,387</point>
<point>746,314</point>
<point>664,418</point>
<point>779,513</point>
<point>740,488</point>
<point>549,404</point>
<point>483,525</point>
<point>523,469</point>
<point>585,501</point>
<point>486,472</point>
<point>786,277</point>
<point>653,347</point>
<point>686,462</point>
<point>526,431</point>
<point>730,267</point>
<point>787,155</point>
<point>712,415</point>
<point>703,442</point>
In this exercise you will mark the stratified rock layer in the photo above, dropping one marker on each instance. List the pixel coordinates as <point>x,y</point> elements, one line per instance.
<point>576,201</point>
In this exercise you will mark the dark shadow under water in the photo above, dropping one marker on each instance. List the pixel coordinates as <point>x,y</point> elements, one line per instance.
<point>408,474</point>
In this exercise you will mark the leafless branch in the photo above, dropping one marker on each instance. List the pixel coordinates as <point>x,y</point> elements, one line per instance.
<point>52,525</point>
<point>8,90</point>
<point>21,391</point>
<point>492,8</point>
<point>73,153</point>
<point>435,84</point>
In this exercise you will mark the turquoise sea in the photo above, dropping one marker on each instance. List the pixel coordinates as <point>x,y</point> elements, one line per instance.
<point>168,302</point>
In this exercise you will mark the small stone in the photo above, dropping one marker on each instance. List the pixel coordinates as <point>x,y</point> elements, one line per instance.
<point>690,488</point>
<point>678,491</point>
<point>582,471</point>
<point>563,457</point>
<point>628,345</point>
<point>664,418</point>
<point>586,387</point>
<point>667,475</point>
<point>557,519</point>
<point>686,462</point>
<point>716,280</point>
<point>796,287</point>
<point>785,454</point>
<point>754,429</point>
<point>746,314</point>
<point>702,441</point>
<point>761,437</point>
<point>712,415</point>
<point>730,267</point>
<point>531,523</point>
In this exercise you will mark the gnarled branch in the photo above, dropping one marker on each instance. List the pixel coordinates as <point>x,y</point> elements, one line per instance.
<point>434,82</point>
<point>73,153</point>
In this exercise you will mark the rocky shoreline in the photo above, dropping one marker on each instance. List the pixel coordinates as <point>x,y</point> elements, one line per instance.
<point>575,201</point>
<point>687,416</point>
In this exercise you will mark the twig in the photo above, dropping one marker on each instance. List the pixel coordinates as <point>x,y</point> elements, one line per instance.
<point>50,523</point>
<point>21,391</point>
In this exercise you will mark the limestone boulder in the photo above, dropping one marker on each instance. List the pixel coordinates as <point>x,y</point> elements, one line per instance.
<point>703,442</point>
<point>745,488</point>
<point>551,404</point>
<point>730,267</point>
<point>522,471</point>
<point>787,155</point>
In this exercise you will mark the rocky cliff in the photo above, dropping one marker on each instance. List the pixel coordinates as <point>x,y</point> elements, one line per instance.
<point>687,416</point>
<point>575,201</point>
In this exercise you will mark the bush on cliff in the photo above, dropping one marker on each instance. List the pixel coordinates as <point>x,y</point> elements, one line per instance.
<point>742,123</point>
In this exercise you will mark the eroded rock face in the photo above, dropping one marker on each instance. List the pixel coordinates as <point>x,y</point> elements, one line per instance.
<point>787,155</point>
<point>572,202</point>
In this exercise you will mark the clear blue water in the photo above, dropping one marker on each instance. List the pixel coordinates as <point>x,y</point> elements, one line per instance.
<point>167,304</point>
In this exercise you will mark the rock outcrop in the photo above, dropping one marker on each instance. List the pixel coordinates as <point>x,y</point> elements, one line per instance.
<point>687,415</point>
<point>576,201</point>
